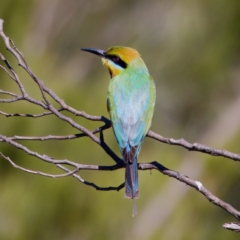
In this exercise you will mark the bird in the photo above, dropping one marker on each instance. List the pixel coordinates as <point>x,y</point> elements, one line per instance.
<point>130,102</point>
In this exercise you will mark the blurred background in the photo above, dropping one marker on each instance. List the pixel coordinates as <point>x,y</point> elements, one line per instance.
<point>192,51</point>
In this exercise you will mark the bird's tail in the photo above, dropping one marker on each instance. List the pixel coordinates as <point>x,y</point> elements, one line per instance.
<point>131,182</point>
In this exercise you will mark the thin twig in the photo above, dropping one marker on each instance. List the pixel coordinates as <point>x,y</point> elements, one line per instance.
<point>9,74</point>
<point>93,184</point>
<point>51,137</point>
<point>8,93</point>
<point>38,172</point>
<point>28,114</point>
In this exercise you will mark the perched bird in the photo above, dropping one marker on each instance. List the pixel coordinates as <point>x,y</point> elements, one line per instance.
<point>130,102</point>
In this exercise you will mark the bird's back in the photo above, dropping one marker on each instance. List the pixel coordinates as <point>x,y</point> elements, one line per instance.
<point>131,99</point>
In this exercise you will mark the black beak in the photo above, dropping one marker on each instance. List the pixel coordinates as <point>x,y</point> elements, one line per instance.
<point>96,51</point>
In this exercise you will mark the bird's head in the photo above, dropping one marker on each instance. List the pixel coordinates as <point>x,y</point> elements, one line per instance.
<point>118,59</point>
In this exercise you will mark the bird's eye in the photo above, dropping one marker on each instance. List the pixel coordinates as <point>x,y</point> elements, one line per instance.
<point>115,58</point>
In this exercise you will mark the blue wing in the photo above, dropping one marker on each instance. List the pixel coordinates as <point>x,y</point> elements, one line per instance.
<point>131,103</point>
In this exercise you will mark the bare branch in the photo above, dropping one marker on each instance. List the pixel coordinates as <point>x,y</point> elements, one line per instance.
<point>65,161</point>
<point>20,85</point>
<point>11,100</point>
<point>233,226</point>
<point>192,183</point>
<point>37,155</point>
<point>22,62</point>
<point>197,147</point>
<point>93,184</point>
<point>43,89</point>
<point>51,137</point>
<point>8,93</point>
<point>9,74</point>
<point>154,165</point>
<point>38,172</point>
<point>28,115</point>
<point>15,76</point>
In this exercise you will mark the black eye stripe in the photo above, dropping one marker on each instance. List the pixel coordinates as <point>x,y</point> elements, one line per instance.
<point>117,60</point>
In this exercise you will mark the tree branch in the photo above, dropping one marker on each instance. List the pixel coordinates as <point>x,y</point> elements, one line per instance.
<point>27,114</point>
<point>38,172</point>
<point>194,184</point>
<point>197,147</point>
<point>233,226</point>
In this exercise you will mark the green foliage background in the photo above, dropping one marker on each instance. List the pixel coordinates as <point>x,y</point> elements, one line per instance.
<point>192,51</point>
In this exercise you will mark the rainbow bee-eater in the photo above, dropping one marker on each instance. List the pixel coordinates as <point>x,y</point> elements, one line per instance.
<point>130,102</point>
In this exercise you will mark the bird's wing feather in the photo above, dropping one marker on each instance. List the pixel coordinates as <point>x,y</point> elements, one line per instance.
<point>131,108</point>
